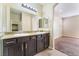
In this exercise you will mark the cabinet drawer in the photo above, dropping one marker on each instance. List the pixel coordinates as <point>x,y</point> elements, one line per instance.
<point>7,42</point>
<point>22,39</point>
<point>32,37</point>
<point>39,37</point>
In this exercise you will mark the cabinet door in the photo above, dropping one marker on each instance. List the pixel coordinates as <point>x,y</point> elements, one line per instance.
<point>10,47</point>
<point>26,46</point>
<point>23,45</point>
<point>46,40</point>
<point>26,50</point>
<point>32,45</point>
<point>12,51</point>
<point>40,43</point>
<point>20,47</point>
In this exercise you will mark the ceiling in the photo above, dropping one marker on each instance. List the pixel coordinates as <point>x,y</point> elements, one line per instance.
<point>68,9</point>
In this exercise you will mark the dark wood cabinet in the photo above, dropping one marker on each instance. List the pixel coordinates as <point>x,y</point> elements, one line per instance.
<point>46,40</point>
<point>25,46</point>
<point>20,50</point>
<point>14,46</point>
<point>11,48</point>
<point>32,45</point>
<point>40,43</point>
<point>28,45</point>
<point>24,43</point>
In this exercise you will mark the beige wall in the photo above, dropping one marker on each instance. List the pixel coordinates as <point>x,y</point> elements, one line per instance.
<point>57,27</point>
<point>48,12</point>
<point>4,18</point>
<point>0,17</point>
<point>71,26</point>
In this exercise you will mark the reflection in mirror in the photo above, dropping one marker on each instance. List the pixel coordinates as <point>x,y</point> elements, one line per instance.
<point>22,21</point>
<point>40,23</point>
<point>15,18</point>
<point>43,22</point>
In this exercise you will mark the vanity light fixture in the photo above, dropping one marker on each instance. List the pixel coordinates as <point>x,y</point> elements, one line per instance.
<point>29,7</point>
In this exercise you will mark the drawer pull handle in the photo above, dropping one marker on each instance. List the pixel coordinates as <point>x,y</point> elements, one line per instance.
<point>22,47</point>
<point>10,42</point>
<point>26,45</point>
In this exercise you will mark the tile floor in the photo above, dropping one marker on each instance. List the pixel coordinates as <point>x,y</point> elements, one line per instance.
<point>49,52</point>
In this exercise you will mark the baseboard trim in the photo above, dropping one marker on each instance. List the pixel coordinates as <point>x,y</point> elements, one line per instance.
<point>71,36</point>
<point>51,48</point>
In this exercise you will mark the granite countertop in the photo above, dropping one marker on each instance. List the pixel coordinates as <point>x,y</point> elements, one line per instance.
<point>21,34</point>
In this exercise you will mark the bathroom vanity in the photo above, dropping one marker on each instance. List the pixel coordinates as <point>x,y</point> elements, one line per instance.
<point>24,44</point>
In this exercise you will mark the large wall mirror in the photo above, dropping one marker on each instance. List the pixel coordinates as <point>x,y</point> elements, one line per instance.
<point>19,21</point>
<point>22,21</point>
